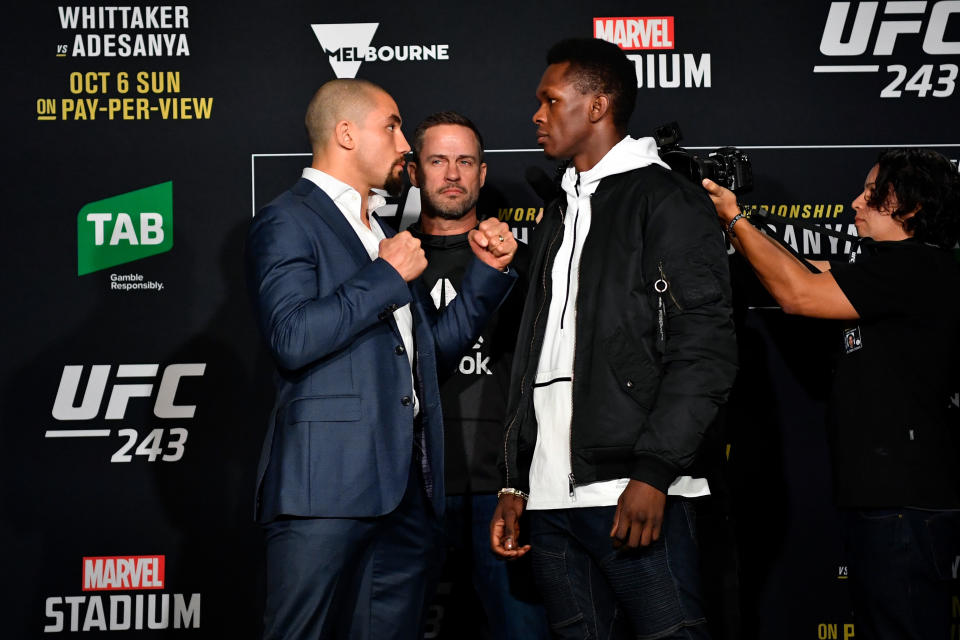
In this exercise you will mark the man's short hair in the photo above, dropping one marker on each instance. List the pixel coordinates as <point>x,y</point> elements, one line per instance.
<point>444,117</point>
<point>923,181</point>
<point>598,66</point>
<point>336,100</point>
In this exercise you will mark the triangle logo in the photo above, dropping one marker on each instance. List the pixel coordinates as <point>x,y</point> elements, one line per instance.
<point>336,39</point>
<point>443,293</point>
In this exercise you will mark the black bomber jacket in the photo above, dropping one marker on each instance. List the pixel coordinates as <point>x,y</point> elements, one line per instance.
<point>643,393</point>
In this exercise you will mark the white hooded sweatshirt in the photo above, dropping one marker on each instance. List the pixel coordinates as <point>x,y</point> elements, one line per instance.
<point>551,486</point>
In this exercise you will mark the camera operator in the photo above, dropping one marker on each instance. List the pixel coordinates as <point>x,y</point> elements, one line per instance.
<point>893,435</point>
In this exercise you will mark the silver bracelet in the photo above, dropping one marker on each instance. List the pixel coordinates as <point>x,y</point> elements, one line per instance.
<point>512,492</point>
<point>737,218</point>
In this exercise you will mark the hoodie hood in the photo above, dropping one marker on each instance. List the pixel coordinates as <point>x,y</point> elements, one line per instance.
<point>626,155</point>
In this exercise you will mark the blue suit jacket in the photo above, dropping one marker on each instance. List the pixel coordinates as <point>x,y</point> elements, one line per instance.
<point>340,438</point>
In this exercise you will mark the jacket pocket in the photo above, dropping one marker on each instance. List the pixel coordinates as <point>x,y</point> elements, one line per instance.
<point>324,409</point>
<point>636,373</point>
<point>691,281</point>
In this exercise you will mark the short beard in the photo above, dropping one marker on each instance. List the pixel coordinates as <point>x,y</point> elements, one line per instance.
<point>445,211</point>
<point>393,184</point>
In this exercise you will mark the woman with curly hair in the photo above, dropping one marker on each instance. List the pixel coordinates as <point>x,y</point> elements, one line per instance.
<point>894,433</point>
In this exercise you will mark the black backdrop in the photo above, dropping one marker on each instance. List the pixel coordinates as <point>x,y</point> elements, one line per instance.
<point>170,472</point>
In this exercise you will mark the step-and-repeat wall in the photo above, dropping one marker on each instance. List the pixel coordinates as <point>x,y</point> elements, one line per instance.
<point>139,141</point>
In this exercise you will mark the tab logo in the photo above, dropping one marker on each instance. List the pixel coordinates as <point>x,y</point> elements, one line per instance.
<point>125,228</point>
<point>123,573</point>
<point>635,33</point>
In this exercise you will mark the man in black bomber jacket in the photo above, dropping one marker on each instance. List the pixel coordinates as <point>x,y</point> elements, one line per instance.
<point>625,352</point>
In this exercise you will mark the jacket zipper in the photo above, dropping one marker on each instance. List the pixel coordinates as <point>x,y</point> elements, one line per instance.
<point>533,336</point>
<point>661,286</point>
<point>573,249</point>
<point>571,479</point>
<point>663,276</point>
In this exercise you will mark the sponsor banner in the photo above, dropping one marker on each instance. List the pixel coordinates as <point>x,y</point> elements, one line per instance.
<point>138,35</point>
<point>118,31</point>
<point>87,418</point>
<point>913,47</point>
<point>349,45</point>
<point>632,34</point>
<point>656,70</point>
<point>115,573</point>
<point>125,228</point>
<point>136,390</point>
<point>122,612</point>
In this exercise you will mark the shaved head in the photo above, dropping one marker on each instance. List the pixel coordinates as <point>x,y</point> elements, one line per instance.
<point>337,100</point>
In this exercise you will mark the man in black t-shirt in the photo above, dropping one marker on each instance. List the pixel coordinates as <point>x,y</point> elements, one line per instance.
<point>894,435</point>
<point>448,169</point>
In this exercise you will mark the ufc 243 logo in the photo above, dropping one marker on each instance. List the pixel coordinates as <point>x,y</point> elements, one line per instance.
<point>898,19</point>
<point>164,406</point>
<point>902,26</point>
<point>157,444</point>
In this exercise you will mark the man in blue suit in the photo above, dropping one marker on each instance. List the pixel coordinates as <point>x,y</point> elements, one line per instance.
<point>350,481</point>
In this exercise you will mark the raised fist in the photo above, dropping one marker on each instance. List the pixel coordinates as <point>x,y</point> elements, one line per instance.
<point>404,254</point>
<point>493,243</point>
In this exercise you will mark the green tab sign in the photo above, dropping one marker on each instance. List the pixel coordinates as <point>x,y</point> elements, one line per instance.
<point>125,228</point>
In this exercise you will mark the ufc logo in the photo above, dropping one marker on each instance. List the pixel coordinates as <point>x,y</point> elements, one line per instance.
<point>64,407</point>
<point>908,18</point>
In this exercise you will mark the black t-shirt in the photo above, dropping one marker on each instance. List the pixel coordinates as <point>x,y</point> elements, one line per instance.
<point>474,396</point>
<point>894,431</point>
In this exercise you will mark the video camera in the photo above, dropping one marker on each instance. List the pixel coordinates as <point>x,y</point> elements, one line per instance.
<point>727,166</point>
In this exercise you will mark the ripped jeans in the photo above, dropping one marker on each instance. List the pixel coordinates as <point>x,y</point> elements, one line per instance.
<point>592,590</point>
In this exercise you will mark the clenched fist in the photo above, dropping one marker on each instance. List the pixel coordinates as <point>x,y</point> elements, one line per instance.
<point>404,254</point>
<point>493,243</point>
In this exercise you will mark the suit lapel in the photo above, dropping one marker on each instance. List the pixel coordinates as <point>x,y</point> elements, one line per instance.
<point>320,202</point>
<point>322,205</point>
<point>387,229</point>
<point>389,233</point>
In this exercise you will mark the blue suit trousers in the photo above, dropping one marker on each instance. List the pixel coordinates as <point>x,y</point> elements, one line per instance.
<point>356,578</point>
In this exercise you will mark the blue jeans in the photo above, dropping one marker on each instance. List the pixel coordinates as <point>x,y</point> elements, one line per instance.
<point>467,525</point>
<point>900,565</point>
<point>592,590</point>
